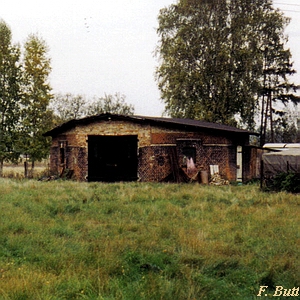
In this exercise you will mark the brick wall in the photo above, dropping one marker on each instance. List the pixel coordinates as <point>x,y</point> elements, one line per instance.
<point>77,161</point>
<point>154,163</point>
<point>54,156</point>
<point>77,147</point>
<point>163,136</point>
<point>154,145</point>
<point>78,136</point>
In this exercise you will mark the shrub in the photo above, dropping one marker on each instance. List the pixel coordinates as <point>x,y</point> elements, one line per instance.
<point>285,181</point>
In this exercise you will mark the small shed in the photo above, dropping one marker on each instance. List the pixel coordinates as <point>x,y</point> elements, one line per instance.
<point>281,161</point>
<point>110,147</point>
<point>281,146</point>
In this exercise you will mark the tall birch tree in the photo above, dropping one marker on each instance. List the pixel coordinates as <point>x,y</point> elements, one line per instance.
<point>212,58</point>
<point>10,79</point>
<point>36,118</point>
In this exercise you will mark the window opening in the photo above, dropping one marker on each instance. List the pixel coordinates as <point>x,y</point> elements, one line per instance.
<point>189,153</point>
<point>62,151</point>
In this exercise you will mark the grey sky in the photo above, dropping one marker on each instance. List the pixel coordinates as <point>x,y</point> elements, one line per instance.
<point>100,47</point>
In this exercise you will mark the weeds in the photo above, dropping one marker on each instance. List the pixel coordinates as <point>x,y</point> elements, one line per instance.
<point>285,181</point>
<point>68,240</point>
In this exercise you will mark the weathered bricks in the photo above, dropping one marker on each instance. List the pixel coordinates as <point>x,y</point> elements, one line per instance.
<point>154,144</point>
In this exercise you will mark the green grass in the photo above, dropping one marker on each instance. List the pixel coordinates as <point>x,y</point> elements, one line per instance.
<point>70,240</point>
<point>16,171</point>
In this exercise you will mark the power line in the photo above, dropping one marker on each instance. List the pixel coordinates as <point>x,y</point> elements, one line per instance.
<point>290,4</point>
<point>294,11</point>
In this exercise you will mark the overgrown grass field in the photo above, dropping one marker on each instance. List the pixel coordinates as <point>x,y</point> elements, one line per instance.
<point>16,171</point>
<point>70,240</point>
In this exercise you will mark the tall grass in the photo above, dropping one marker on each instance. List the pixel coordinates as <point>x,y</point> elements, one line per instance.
<point>69,240</point>
<point>17,171</point>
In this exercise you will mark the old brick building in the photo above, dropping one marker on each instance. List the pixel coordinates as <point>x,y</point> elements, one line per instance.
<point>111,147</point>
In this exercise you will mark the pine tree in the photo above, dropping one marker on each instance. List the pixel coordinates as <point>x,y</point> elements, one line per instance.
<point>277,67</point>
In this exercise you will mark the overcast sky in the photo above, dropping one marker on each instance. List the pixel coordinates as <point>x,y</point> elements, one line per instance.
<point>100,46</point>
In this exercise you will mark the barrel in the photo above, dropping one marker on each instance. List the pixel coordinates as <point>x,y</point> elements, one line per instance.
<point>204,177</point>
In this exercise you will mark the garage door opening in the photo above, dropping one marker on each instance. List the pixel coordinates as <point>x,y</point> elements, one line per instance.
<point>112,158</point>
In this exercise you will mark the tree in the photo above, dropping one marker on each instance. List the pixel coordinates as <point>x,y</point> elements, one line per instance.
<point>67,107</point>
<point>10,78</point>
<point>285,126</point>
<point>36,118</point>
<point>212,57</point>
<point>276,88</point>
<point>114,104</point>
<point>284,131</point>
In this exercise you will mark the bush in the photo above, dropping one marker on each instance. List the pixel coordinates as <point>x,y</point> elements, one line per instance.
<point>285,181</point>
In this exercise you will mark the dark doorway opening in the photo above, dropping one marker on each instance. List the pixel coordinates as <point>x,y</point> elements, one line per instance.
<point>112,158</point>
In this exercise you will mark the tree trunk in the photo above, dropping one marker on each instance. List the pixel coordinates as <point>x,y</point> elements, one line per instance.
<point>271,119</point>
<point>1,167</point>
<point>32,168</point>
<point>262,137</point>
<point>266,120</point>
<point>26,169</point>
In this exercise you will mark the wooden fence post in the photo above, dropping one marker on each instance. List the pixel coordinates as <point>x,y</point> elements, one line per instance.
<point>261,173</point>
<point>26,169</point>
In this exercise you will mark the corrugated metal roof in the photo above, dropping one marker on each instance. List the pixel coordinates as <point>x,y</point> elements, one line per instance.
<point>281,145</point>
<point>199,124</point>
<point>287,152</point>
<point>174,122</point>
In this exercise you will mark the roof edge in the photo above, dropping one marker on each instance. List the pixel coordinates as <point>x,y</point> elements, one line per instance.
<point>187,123</point>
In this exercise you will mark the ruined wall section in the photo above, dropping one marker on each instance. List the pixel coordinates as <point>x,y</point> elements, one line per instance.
<point>210,148</point>
<point>110,128</point>
<point>223,156</point>
<point>154,163</point>
<point>75,144</point>
<point>160,135</point>
<point>155,147</point>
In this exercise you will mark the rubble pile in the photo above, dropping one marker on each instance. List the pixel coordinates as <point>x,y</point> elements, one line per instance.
<point>216,179</point>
